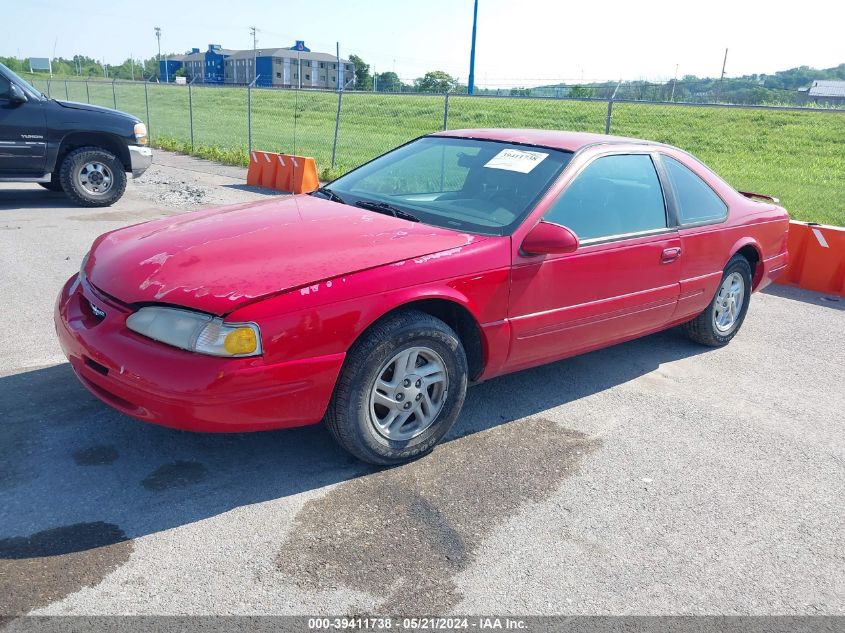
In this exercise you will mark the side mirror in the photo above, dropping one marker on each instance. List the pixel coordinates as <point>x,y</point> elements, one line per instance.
<point>549,239</point>
<point>16,95</point>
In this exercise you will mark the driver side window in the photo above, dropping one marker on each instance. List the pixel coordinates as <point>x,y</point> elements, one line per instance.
<point>613,195</point>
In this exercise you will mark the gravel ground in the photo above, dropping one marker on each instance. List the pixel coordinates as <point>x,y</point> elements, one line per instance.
<point>654,477</point>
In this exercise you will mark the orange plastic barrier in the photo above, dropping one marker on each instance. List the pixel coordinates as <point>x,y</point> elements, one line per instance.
<point>303,175</point>
<point>282,172</point>
<point>258,165</point>
<point>282,181</point>
<point>816,258</point>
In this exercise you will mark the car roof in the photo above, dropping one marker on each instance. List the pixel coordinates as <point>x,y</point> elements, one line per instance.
<point>556,139</point>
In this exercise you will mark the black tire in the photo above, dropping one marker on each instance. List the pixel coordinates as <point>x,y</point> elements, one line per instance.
<point>348,417</point>
<point>73,164</point>
<point>55,183</point>
<point>702,329</point>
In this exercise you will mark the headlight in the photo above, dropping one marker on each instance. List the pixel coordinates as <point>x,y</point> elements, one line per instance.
<point>196,332</point>
<point>141,133</point>
<point>82,266</point>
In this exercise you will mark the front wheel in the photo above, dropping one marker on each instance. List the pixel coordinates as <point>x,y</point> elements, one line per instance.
<point>400,390</point>
<point>721,320</point>
<point>93,177</point>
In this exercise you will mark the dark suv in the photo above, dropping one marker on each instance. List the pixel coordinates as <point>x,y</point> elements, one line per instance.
<point>77,148</point>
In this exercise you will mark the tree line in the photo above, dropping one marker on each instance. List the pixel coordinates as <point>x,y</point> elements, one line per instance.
<point>778,88</point>
<point>84,67</point>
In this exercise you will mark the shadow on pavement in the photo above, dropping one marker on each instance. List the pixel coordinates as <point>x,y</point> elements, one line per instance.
<point>807,296</point>
<point>75,475</point>
<point>252,189</point>
<point>33,196</point>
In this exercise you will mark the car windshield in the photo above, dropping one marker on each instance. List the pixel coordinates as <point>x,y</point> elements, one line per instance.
<point>470,185</point>
<point>22,82</point>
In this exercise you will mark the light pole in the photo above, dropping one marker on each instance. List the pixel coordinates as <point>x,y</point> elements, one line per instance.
<point>471,82</point>
<point>166,70</point>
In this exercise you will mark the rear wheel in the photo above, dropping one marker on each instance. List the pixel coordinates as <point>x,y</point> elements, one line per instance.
<point>721,320</point>
<point>93,177</point>
<point>401,388</point>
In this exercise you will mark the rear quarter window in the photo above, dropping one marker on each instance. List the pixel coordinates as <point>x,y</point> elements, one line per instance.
<point>697,202</point>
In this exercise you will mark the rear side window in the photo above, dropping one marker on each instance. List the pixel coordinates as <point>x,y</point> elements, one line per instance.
<point>5,88</point>
<point>614,195</point>
<point>697,202</point>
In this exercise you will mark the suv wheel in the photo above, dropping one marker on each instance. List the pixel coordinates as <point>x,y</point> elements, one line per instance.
<point>92,177</point>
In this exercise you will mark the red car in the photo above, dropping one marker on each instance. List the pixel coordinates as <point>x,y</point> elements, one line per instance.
<point>371,304</point>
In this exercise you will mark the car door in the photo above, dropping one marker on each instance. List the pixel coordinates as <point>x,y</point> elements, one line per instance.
<point>622,281</point>
<point>701,215</point>
<point>23,134</point>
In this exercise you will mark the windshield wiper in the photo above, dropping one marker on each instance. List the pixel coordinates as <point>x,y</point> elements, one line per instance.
<point>331,195</point>
<point>387,209</point>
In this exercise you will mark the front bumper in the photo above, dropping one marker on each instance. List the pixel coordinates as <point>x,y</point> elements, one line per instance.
<point>171,387</point>
<point>140,158</point>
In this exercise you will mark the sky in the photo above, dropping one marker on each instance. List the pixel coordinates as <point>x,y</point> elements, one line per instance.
<point>520,42</point>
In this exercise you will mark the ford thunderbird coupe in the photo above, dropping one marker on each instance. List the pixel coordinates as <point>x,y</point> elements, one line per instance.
<point>372,303</point>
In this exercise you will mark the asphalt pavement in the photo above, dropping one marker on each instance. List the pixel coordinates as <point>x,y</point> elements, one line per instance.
<point>653,477</point>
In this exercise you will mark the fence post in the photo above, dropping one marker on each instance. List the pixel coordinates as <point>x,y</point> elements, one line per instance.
<point>336,128</point>
<point>147,104</point>
<point>446,112</point>
<point>249,113</point>
<point>48,88</point>
<point>191,112</point>
<point>114,94</point>
<point>609,118</point>
<point>67,94</point>
<point>87,92</point>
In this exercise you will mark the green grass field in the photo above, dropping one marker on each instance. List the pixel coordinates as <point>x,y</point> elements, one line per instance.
<point>798,157</point>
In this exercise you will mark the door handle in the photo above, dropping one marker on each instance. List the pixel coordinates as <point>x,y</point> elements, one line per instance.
<point>670,255</point>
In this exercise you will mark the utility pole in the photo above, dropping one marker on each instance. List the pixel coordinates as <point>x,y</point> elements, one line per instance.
<point>675,81</point>
<point>166,70</point>
<point>471,82</point>
<point>722,78</point>
<point>253,30</point>
<point>132,65</point>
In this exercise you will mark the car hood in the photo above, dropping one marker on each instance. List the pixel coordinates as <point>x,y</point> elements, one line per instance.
<point>220,259</point>
<point>87,107</point>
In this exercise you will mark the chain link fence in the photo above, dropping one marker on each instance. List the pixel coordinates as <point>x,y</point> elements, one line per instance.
<point>793,153</point>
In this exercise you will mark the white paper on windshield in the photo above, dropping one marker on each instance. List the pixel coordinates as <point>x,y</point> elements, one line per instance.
<point>516,160</point>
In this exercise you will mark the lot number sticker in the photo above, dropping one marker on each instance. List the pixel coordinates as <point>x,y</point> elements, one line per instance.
<point>516,160</point>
